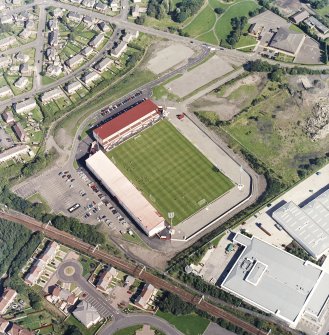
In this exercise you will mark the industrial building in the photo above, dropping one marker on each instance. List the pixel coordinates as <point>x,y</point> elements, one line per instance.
<point>277,282</point>
<point>127,124</point>
<point>309,225</point>
<point>131,199</point>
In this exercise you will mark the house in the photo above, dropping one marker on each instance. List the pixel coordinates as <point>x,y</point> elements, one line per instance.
<point>5,91</point>
<point>46,256</point>
<point>74,17</point>
<point>103,64</point>
<point>24,106</point>
<point>53,24</point>
<point>73,87</point>
<point>21,82</point>
<point>101,6</point>
<point>51,54</point>
<point>4,61</point>
<point>24,68</point>
<point>9,328</point>
<point>146,295</point>
<point>58,294</point>
<point>3,325</point>
<point>103,26</point>
<point>53,38</point>
<point>96,41</point>
<point>54,70</point>
<point>90,77</point>
<point>19,132</point>
<point>58,12</point>
<point>49,252</point>
<point>88,3</point>
<point>29,25</point>
<point>105,278</point>
<point>300,16</point>
<point>86,51</point>
<point>8,295</point>
<point>17,2</point>
<point>88,20</point>
<point>130,35</point>
<point>119,50</point>
<point>114,5</point>
<point>130,280</point>
<point>287,41</point>
<point>8,117</point>
<point>137,1</point>
<point>7,42</point>
<point>86,314</point>
<point>22,57</point>
<point>76,1</point>
<point>11,153</point>
<point>74,61</point>
<point>135,11</point>
<point>6,19</point>
<point>313,22</point>
<point>25,33</point>
<point>51,95</point>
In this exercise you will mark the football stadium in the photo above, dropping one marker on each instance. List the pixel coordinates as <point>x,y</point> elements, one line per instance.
<point>156,171</point>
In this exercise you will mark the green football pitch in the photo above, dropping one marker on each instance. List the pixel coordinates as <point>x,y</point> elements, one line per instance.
<point>170,171</point>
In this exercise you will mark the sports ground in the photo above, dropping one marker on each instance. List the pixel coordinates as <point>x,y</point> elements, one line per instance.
<point>170,171</point>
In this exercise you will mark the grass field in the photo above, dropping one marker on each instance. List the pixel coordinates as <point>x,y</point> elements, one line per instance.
<point>129,330</point>
<point>223,25</point>
<point>202,23</point>
<point>213,28</point>
<point>171,173</point>
<point>190,324</point>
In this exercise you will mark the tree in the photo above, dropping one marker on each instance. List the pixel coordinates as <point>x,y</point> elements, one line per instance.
<point>140,20</point>
<point>276,75</point>
<point>72,330</point>
<point>35,300</point>
<point>219,10</point>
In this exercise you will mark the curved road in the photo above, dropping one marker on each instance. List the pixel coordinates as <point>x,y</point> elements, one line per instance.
<point>142,319</point>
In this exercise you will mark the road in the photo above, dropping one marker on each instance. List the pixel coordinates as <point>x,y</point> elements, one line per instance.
<point>39,47</point>
<point>127,267</point>
<point>135,319</point>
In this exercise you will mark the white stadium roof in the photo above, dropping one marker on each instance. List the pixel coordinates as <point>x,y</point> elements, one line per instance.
<point>127,194</point>
<point>276,281</point>
<point>308,225</point>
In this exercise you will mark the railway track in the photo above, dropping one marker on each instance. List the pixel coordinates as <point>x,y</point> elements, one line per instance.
<point>128,267</point>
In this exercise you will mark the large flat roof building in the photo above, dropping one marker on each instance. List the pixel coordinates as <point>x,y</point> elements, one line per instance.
<point>308,225</point>
<point>145,215</point>
<point>277,282</point>
<point>126,124</point>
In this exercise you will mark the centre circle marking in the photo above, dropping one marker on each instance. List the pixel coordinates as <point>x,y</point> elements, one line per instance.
<point>69,270</point>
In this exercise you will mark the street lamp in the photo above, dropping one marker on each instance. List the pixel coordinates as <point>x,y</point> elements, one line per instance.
<point>171,215</point>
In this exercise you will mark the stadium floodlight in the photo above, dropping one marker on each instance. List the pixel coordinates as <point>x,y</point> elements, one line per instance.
<point>171,215</point>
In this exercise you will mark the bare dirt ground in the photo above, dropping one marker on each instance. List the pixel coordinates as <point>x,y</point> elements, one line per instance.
<point>201,75</point>
<point>288,7</point>
<point>63,140</point>
<point>224,106</point>
<point>166,57</point>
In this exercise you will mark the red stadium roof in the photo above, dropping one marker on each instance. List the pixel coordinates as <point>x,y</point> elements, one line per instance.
<point>111,127</point>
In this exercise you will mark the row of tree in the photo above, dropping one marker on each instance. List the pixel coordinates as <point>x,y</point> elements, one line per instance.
<point>238,24</point>
<point>179,13</point>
